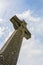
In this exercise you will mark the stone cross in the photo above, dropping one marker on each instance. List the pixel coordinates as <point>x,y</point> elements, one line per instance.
<point>10,51</point>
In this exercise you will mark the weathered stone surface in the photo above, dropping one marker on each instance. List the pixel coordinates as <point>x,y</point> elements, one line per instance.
<point>10,51</point>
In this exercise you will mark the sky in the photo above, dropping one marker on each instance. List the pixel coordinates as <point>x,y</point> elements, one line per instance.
<point>31,11</point>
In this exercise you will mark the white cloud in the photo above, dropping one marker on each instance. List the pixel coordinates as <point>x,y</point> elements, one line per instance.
<point>1,31</point>
<point>3,6</point>
<point>31,46</point>
<point>27,15</point>
<point>1,20</point>
<point>36,52</point>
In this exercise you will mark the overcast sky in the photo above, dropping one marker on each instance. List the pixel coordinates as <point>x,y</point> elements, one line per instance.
<point>32,12</point>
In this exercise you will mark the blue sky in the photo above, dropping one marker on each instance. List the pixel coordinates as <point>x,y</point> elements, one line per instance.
<point>32,11</point>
